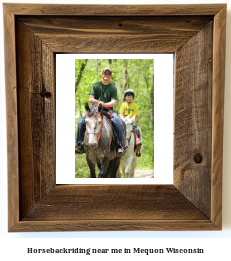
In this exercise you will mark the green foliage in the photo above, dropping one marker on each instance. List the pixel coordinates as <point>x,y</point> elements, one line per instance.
<point>81,167</point>
<point>135,74</point>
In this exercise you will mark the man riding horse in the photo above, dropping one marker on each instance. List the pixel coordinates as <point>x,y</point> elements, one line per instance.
<point>105,93</point>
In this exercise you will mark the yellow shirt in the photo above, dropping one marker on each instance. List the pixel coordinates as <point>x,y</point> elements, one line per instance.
<point>129,109</point>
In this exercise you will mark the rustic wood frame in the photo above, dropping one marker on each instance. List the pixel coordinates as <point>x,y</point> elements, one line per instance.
<point>33,33</point>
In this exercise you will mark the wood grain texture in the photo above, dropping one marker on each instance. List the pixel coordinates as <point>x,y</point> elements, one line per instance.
<point>114,202</point>
<point>114,225</point>
<point>194,201</point>
<point>218,114</point>
<point>11,116</point>
<point>124,34</point>
<point>36,106</point>
<point>114,10</point>
<point>193,126</point>
<point>111,207</point>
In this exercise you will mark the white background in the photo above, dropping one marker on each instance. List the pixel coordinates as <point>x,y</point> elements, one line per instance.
<point>65,121</point>
<point>215,243</point>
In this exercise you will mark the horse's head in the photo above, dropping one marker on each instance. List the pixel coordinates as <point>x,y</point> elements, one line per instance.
<point>93,123</point>
<point>129,125</point>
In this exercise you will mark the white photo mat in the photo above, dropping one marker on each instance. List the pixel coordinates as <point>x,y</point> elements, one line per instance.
<point>163,119</point>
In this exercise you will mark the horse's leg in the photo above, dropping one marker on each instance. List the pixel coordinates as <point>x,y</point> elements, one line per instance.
<point>123,166</point>
<point>99,165</point>
<point>109,169</point>
<point>133,166</point>
<point>92,170</point>
<point>118,173</point>
<point>114,166</point>
<point>103,169</point>
<point>128,163</point>
<point>91,167</point>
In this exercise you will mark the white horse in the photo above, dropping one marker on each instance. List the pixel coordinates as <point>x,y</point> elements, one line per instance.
<point>129,160</point>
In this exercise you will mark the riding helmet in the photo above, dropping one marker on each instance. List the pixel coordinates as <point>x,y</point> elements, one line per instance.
<point>129,92</point>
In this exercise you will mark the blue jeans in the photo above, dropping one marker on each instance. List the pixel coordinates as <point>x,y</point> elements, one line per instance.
<point>115,119</point>
<point>137,130</point>
<point>81,129</point>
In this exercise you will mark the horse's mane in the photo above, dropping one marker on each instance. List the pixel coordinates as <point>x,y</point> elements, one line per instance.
<point>94,109</point>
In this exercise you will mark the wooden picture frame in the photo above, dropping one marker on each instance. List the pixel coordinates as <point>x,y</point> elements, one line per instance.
<point>33,34</point>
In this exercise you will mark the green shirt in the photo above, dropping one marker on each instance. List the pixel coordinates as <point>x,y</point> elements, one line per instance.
<point>104,93</point>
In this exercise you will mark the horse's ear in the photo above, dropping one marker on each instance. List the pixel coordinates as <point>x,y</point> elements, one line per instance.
<point>133,118</point>
<point>87,107</point>
<point>121,116</point>
<point>100,108</point>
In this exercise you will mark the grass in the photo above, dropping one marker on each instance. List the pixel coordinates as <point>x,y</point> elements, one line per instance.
<point>82,169</point>
<point>81,166</point>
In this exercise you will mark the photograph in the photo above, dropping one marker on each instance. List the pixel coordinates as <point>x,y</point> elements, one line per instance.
<point>114,113</point>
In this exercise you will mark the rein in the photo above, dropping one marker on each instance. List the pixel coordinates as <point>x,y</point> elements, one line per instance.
<point>110,111</point>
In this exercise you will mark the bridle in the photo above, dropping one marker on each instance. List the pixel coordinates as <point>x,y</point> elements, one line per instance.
<point>129,139</point>
<point>100,130</point>
<point>101,126</point>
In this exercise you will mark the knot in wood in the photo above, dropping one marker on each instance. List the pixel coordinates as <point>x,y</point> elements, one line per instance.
<point>198,158</point>
<point>46,94</point>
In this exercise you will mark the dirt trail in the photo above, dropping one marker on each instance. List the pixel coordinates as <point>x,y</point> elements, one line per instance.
<point>141,173</point>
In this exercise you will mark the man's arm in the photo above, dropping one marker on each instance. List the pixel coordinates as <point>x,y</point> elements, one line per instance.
<point>108,104</point>
<point>112,103</point>
<point>93,100</point>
